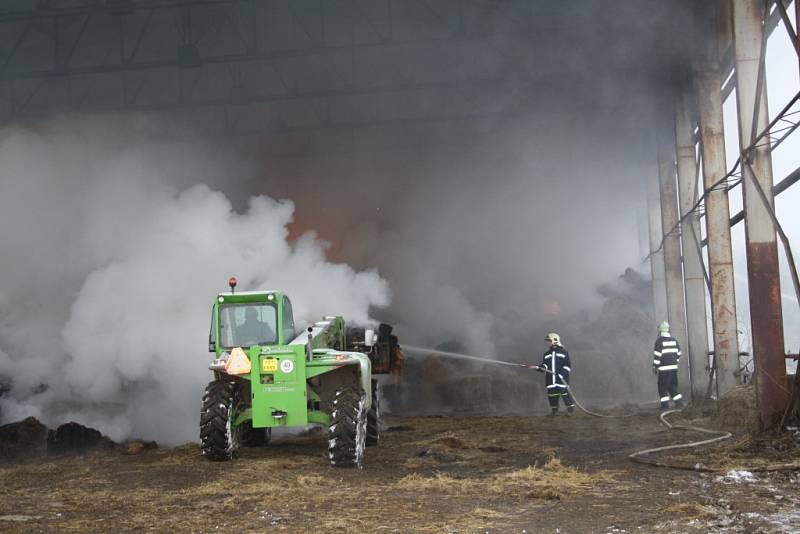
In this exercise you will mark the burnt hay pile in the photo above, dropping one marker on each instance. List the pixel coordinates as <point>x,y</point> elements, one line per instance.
<point>29,438</point>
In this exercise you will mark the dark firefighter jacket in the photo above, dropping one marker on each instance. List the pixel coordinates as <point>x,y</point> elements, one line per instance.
<point>556,360</point>
<point>666,353</point>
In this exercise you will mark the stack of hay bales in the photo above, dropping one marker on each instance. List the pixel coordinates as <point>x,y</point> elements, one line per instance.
<point>437,385</point>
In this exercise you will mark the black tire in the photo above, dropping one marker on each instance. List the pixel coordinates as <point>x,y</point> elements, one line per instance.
<point>219,440</point>
<point>255,437</point>
<point>374,417</point>
<point>348,431</point>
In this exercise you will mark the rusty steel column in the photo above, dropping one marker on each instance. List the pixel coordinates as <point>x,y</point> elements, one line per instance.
<point>656,258</point>
<point>673,270</point>
<point>708,81</point>
<point>766,317</point>
<point>694,280</point>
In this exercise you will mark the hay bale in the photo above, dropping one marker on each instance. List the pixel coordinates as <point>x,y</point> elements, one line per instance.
<point>22,439</point>
<point>75,438</point>
<point>738,410</point>
<point>437,369</point>
<point>467,394</point>
<point>441,385</point>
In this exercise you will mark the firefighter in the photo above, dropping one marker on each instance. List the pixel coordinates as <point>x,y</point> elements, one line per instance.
<point>557,367</point>
<point>666,355</point>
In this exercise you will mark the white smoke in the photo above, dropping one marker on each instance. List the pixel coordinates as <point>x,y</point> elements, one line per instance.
<point>113,249</point>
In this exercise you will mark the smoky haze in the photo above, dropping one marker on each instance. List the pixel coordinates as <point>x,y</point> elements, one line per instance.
<point>113,248</point>
<point>117,231</point>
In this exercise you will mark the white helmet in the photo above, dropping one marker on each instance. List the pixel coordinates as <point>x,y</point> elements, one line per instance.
<point>663,327</point>
<point>553,338</point>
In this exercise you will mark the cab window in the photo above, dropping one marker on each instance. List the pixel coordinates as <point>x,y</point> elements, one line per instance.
<point>247,324</point>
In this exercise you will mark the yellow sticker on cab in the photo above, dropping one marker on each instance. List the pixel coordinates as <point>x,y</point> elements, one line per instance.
<point>269,365</point>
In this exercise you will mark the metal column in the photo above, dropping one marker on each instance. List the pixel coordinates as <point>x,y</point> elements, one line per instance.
<point>656,258</point>
<point>708,81</point>
<point>673,270</point>
<point>766,316</point>
<point>694,278</point>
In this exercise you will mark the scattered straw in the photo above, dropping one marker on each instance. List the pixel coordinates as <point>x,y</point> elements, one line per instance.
<point>552,481</point>
<point>485,513</point>
<point>310,480</point>
<point>438,482</point>
<point>694,510</point>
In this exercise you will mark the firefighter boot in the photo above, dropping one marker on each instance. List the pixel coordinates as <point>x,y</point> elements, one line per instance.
<point>664,405</point>
<point>570,411</point>
<point>553,412</point>
<point>679,404</point>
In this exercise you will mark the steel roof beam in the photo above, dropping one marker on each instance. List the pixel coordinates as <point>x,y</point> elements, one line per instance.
<point>105,8</point>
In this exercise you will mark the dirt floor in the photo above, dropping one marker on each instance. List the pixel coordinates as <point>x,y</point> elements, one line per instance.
<point>429,474</point>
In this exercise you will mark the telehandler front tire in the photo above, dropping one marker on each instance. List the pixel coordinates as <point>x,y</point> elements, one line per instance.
<point>348,430</point>
<point>219,440</point>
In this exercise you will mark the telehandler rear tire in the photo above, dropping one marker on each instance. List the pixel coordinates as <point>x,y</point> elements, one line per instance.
<point>374,417</point>
<point>219,440</point>
<point>348,430</point>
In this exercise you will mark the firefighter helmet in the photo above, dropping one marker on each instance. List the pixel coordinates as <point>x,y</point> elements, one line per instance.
<point>553,338</point>
<point>663,327</point>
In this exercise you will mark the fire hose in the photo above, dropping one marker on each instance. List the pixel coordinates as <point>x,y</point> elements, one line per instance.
<point>543,369</point>
<point>637,456</point>
<point>720,435</point>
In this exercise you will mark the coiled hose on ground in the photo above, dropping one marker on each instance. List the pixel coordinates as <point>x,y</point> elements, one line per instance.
<point>638,455</point>
<point>720,435</point>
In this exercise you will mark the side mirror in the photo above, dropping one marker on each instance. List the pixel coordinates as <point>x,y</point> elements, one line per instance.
<point>212,347</point>
<point>369,337</point>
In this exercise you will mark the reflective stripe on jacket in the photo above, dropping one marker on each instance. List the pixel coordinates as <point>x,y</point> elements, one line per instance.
<point>556,360</point>
<point>666,353</point>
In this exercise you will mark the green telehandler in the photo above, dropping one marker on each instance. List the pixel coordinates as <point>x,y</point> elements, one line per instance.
<point>268,376</point>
